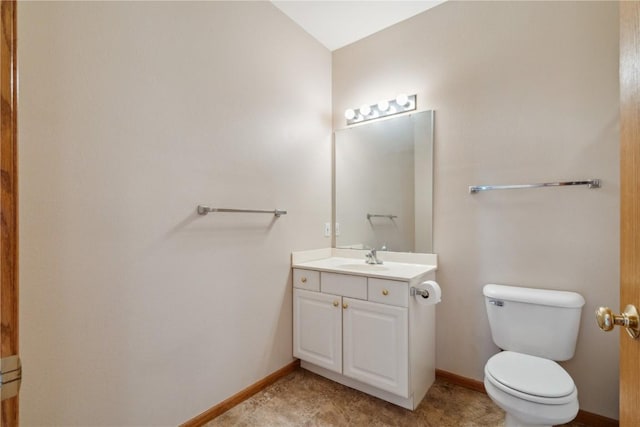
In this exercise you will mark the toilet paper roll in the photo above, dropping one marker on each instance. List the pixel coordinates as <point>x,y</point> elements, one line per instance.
<point>435,293</point>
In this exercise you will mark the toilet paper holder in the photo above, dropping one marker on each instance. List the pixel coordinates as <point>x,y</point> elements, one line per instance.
<point>413,291</point>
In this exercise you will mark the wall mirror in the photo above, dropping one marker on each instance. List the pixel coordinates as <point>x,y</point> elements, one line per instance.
<point>384,184</point>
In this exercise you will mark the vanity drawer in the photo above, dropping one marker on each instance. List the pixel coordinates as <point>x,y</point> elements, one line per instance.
<point>391,292</point>
<point>344,285</point>
<point>306,279</point>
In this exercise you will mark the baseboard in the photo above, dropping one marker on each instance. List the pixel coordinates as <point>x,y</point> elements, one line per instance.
<point>595,420</point>
<point>588,418</point>
<point>461,381</point>
<point>240,397</point>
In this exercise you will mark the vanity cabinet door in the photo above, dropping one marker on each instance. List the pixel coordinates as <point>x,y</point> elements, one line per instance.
<point>376,345</point>
<point>317,329</point>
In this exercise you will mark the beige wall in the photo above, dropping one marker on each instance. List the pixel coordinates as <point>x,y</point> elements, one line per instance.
<point>523,92</point>
<point>134,310</point>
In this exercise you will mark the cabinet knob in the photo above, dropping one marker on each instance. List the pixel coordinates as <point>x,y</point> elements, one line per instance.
<point>345,305</point>
<point>385,292</point>
<point>336,303</point>
<point>303,280</point>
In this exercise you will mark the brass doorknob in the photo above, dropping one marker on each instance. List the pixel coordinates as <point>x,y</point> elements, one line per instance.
<point>385,292</point>
<point>628,318</point>
<point>336,303</point>
<point>303,280</point>
<point>345,305</point>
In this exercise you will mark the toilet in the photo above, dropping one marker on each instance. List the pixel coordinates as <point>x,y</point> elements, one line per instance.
<point>534,328</point>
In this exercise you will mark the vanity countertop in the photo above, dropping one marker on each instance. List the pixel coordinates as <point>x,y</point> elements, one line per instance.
<point>357,266</point>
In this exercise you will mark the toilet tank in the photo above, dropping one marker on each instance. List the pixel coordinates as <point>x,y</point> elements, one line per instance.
<point>538,322</point>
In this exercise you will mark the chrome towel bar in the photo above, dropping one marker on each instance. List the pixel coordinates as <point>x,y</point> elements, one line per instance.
<point>369,216</point>
<point>591,183</point>
<point>203,210</point>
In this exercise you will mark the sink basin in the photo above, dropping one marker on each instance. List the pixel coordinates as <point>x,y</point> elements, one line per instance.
<point>364,267</point>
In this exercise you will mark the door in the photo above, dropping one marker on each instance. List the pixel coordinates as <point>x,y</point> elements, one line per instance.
<point>629,205</point>
<point>8,213</point>
<point>317,329</point>
<point>376,345</point>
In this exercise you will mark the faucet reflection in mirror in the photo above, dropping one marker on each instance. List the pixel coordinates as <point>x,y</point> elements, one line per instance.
<point>401,104</point>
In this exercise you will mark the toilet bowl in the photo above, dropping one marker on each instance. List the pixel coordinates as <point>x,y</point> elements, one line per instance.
<point>533,391</point>
<point>534,328</point>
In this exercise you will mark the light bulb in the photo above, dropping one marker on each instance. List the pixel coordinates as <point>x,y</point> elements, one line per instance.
<point>349,114</point>
<point>402,100</point>
<point>365,110</point>
<point>383,105</point>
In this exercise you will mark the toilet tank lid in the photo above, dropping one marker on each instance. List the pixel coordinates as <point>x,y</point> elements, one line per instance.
<point>534,296</point>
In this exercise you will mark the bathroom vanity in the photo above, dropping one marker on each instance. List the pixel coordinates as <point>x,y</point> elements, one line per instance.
<point>358,324</point>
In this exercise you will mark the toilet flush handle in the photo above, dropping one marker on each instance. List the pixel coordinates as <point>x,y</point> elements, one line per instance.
<point>629,319</point>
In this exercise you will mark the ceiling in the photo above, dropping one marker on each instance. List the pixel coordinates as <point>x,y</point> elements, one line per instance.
<point>338,23</point>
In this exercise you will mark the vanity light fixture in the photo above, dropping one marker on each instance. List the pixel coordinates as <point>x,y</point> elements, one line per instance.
<point>402,100</point>
<point>349,114</point>
<point>383,106</point>
<point>401,104</point>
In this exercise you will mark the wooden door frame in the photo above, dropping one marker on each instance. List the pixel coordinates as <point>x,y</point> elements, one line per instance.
<point>8,199</point>
<point>629,205</point>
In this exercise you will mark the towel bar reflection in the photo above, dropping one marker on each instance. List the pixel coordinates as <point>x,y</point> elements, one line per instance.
<point>203,210</point>
<point>591,183</point>
<point>369,216</point>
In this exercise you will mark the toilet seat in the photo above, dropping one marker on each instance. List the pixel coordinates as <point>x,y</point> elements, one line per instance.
<point>530,378</point>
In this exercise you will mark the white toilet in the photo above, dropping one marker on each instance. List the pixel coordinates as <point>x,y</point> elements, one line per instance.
<point>534,327</point>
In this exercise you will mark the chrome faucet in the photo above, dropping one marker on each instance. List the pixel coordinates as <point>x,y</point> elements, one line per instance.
<point>372,258</point>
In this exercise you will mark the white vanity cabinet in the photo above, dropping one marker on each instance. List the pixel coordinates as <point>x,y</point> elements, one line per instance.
<point>317,328</point>
<point>370,339</point>
<point>376,345</point>
<point>366,333</point>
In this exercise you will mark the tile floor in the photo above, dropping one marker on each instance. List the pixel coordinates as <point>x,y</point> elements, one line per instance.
<point>306,399</point>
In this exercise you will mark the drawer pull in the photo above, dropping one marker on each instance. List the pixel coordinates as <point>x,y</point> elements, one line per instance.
<point>345,305</point>
<point>385,292</point>
<point>336,303</point>
<point>303,280</point>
